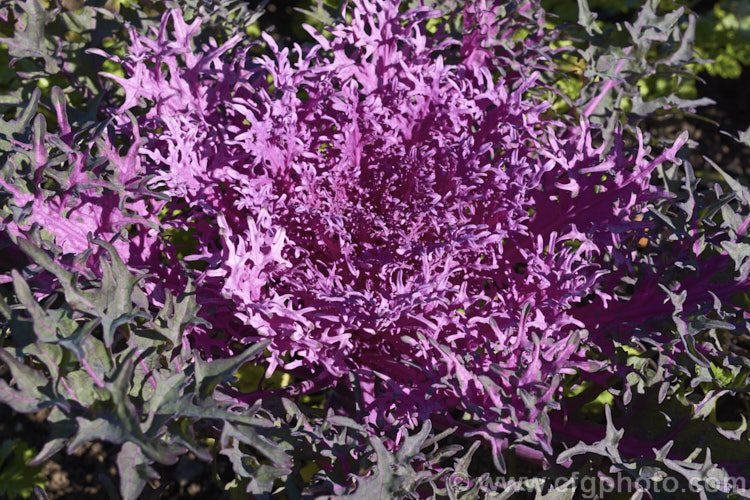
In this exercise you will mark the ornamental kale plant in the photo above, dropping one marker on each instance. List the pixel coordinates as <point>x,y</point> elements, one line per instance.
<point>382,206</point>
<point>396,219</point>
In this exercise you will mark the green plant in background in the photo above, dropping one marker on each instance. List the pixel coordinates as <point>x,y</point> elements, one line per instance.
<point>17,477</point>
<point>723,35</point>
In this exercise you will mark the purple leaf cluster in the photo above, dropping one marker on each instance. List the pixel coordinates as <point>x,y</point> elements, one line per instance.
<point>395,209</point>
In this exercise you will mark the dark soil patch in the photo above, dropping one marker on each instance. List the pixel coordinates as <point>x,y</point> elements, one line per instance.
<point>90,472</point>
<point>714,134</point>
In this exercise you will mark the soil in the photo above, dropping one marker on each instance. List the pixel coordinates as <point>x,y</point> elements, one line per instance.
<point>716,130</point>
